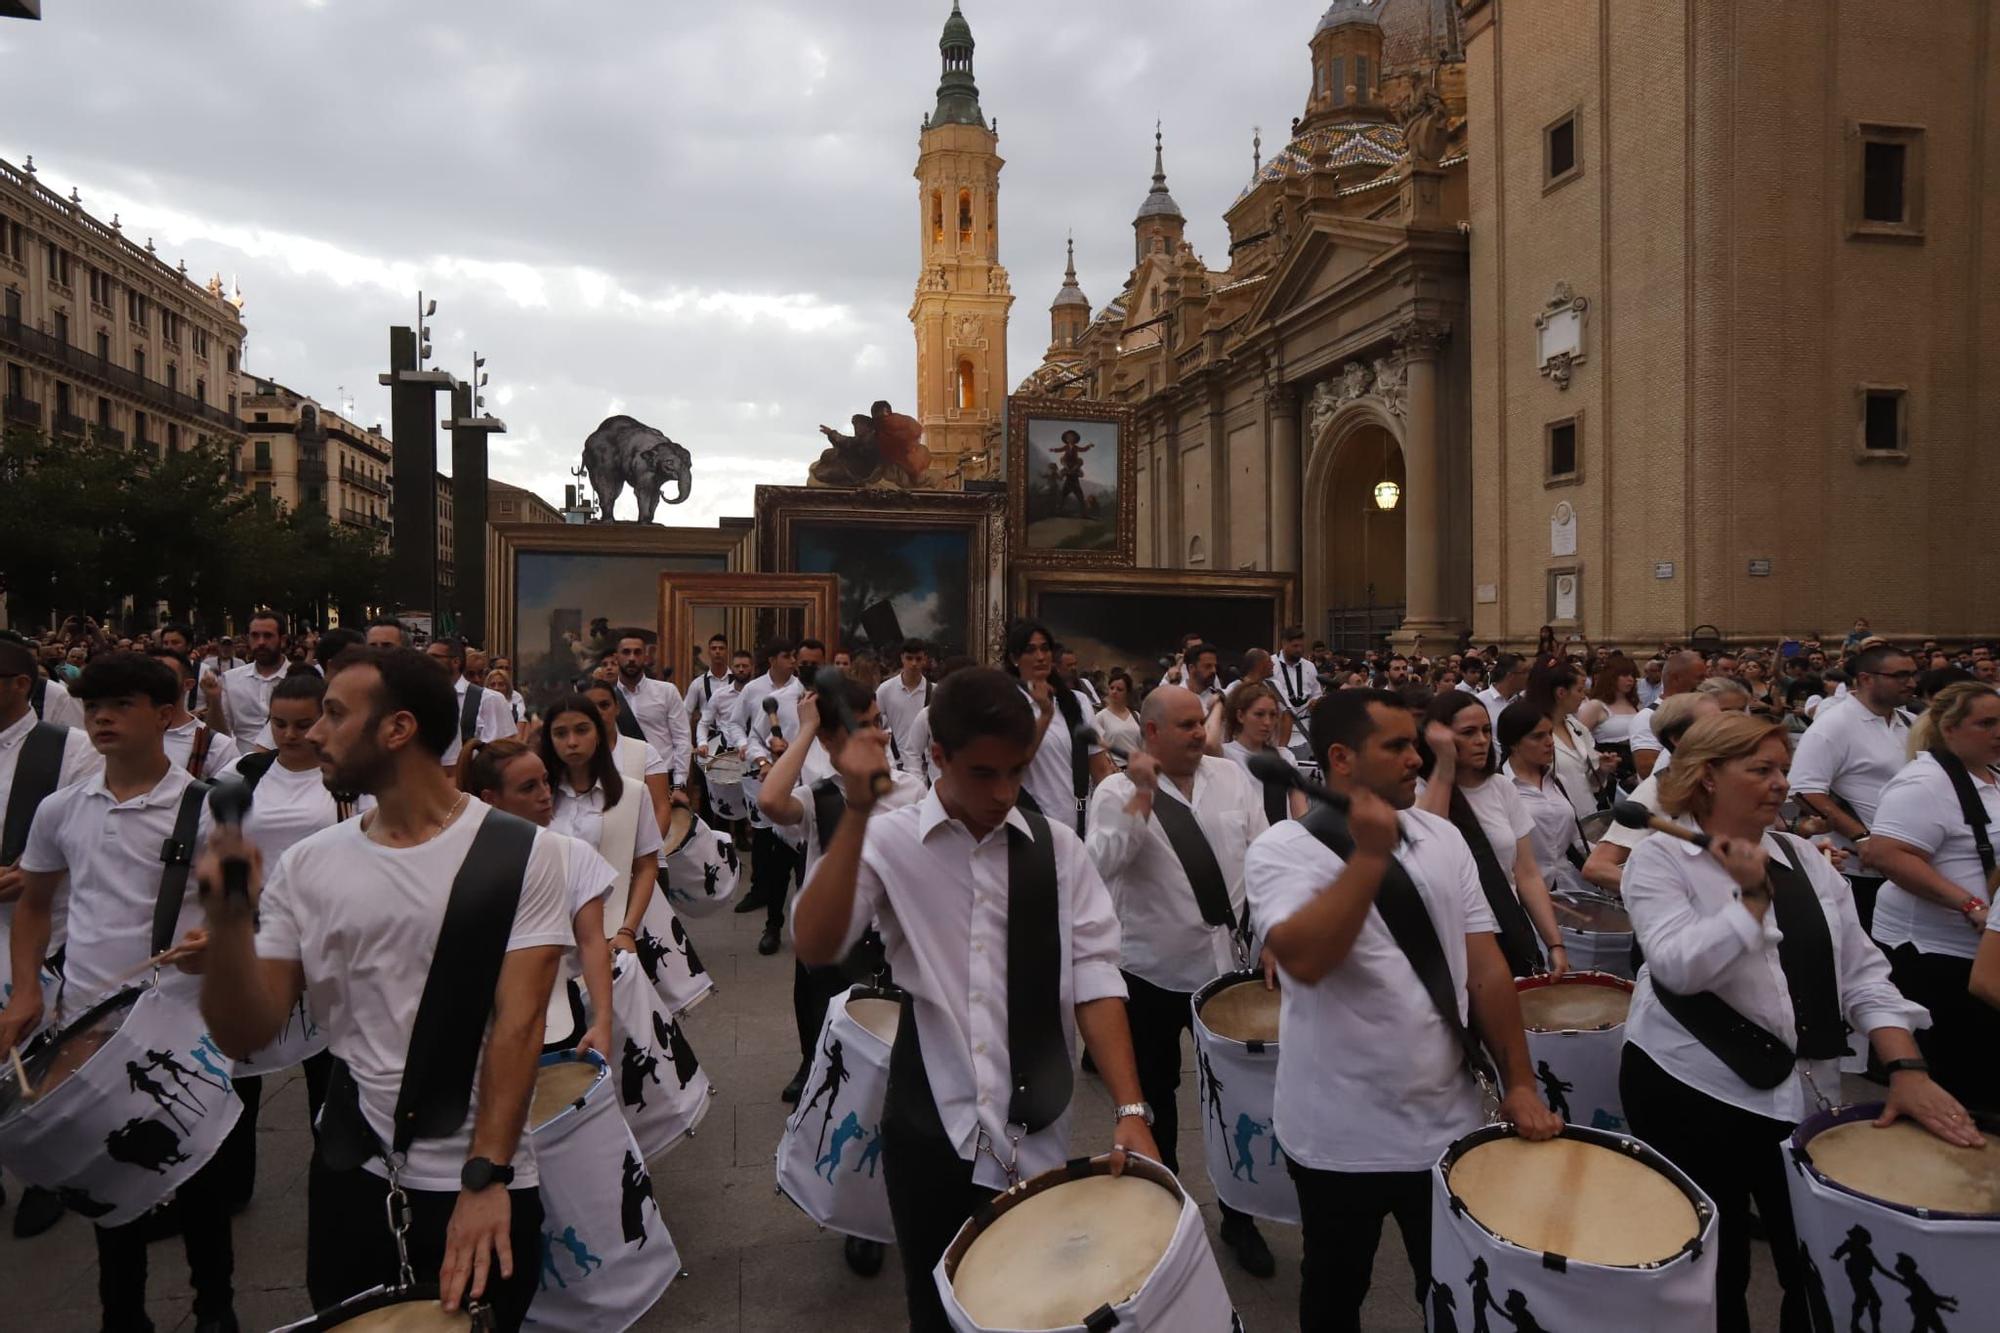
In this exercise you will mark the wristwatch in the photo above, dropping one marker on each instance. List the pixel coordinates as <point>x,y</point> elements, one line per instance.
<point>479,1172</point>
<point>1141,1109</point>
<point>1913,1065</point>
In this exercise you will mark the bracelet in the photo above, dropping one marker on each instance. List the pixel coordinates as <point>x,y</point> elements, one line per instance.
<point>623,930</point>
<point>1969,906</point>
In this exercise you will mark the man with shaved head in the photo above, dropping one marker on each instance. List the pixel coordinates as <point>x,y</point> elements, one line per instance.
<point>1168,836</point>
<point>1682,672</point>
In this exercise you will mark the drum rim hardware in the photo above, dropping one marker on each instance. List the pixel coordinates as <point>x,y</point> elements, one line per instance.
<point>1238,977</point>
<point>1800,1156</point>
<point>1076,1168</point>
<point>44,1042</point>
<point>377,1298</point>
<point>574,1104</point>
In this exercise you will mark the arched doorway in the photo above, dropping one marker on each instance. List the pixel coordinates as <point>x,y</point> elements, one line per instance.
<point>1358,498</point>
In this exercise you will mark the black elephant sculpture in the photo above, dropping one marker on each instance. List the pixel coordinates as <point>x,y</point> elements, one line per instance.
<point>623,451</point>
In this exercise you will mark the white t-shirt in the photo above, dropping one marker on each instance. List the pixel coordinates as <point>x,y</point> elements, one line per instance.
<point>179,743</point>
<point>1117,733</point>
<point>1647,793</point>
<point>1369,1076</point>
<point>591,877</point>
<point>367,955</point>
<point>1852,753</point>
<point>494,723</point>
<point>901,706</point>
<point>286,807</point>
<point>1502,813</point>
<point>1919,808</point>
<point>79,761</point>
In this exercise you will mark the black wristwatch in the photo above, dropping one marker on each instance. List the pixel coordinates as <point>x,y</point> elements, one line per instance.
<point>479,1172</point>
<point>1913,1065</point>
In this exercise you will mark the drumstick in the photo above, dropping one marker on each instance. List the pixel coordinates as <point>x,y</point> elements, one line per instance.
<point>21,1072</point>
<point>1271,769</point>
<point>1632,815</point>
<point>827,688</point>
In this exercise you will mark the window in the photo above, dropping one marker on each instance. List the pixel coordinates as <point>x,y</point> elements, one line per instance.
<point>967,387</point>
<point>100,288</point>
<point>263,455</point>
<point>201,343</point>
<point>1361,78</point>
<point>201,390</point>
<point>135,308</point>
<point>173,377</point>
<point>1339,81</point>
<point>965,217</point>
<point>232,360</point>
<point>263,490</point>
<point>140,439</point>
<point>63,403</point>
<point>232,404</point>
<point>263,416</point>
<point>13,305</point>
<point>1559,159</point>
<point>173,438</point>
<point>1563,452</point>
<point>103,345</point>
<point>1885,421</point>
<point>1885,186</point>
<point>17,381</point>
<point>60,320</point>
<point>937,216</point>
<point>104,411</point>
<point>58,264</point>
<point>139,362</point>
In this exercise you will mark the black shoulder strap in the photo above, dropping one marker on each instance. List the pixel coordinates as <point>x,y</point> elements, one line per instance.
<point>468,713</point>
<point>1079,752</point>
<point>1805,954</point>
<point>449,1031</point>
<point>1516,932</point>
<point>252,768</point>
<point>1035,1052</point>
<point>1277,801</point>
<point>1970,808</point>
<point>628,721</point>
<point>1197,858</point>
<point>829,804</point>
<point>36,773</point>
<point>38,694</point>
<point>176,859</point>
<point>1577,850</point>
<point>1401,907</point>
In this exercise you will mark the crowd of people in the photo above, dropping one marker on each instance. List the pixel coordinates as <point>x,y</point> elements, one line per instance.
<point>1049,859</point>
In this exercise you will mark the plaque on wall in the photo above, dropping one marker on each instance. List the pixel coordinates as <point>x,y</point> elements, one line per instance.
<point>1564,596</point>
<point>1562,530</point>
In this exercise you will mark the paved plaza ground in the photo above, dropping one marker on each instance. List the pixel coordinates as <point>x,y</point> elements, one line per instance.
<point>753,1261</point>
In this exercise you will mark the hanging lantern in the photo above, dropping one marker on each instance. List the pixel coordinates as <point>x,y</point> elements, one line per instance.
<point>1387,494</point>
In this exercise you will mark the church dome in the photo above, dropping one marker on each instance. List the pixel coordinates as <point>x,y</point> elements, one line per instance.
<point>1341,13</point>
<point>1347,143</point>
<point>1158,203</point>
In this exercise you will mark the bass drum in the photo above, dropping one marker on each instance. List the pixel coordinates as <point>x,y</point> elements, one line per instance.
<point>1236,1082</point>
<point>122,1105</point>
<point>699,876</point>
<point>1596,933</point>
<point>394,1310</point>
<point>666,951</point>
<point>830,1156</point>
<point>662,1089</point>
<point>1576,1036</point>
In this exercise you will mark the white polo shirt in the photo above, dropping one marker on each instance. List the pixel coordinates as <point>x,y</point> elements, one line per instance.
<point>663,719</point>
<point>179,742</point>
<point>1369,1076</point>
<point>246,699</point>
<point>366,957</point>
<point>79,761</point>
<point>1919,809</point>
<point>1851,753</point>
<point>111,849</point>
<point>901,706</point>
<point>1163,938</point>
<point>941,900</point>
<point>494,723</point>
<point>60,706</point>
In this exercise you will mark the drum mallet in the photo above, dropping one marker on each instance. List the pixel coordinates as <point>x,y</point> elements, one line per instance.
<point>228,803</point>
<point>1632,815</point>
<point>1274,771</point>
<point>827,683</point>
<point>771,711</point>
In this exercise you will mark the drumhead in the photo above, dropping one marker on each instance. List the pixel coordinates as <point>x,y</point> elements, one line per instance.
<point>724,768</point>
<point>680,827</point>
<point>559,1085</point>
<point>878,1016</point>
<point>1243,1011</point>
<point>54,1056</point>
<point>1058,1254</point>
<point>1579,1005</point>
<point>1906,1164</point>
<point>410,1310</point>
<point>1574,1197</point>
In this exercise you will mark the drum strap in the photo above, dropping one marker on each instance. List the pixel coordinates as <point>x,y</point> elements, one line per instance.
<point>468,713</point>
<point>628,721</point>
<point>829,804</point>
<point>1516,933</point>
<point>1035,1052</point>
<point>36,774</point>
<point>176,859</point>
<point>1401,907</point>
<point>1079,750</point>
<point>252,768</point>
<point>1575,851</point>
<point>38,694</point>
<point>1197,858</point>
<point>1277,802</point>
<point>1970,808</point>
<point>446,1038</point>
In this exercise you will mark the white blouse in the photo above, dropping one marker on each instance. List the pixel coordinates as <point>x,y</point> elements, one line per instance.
<point>1919,809</point>
<point>1119,734</point>
<point>1576,761</point>
<point>1554,821</point>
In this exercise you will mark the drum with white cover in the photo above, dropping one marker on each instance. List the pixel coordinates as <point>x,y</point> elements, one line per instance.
<point>724,775</point>
<point>699,874</point>
<point>1236,1082</point>
<point>1078,1249</point>
<point>122,1105</point>
<point>1596,933</point>
<point>298,1041</point>
<point>830,1156</point>
<point>1896,1217</point>
<point>1587,1230</point>
<point>412,1309</point>
<point>666,951</point>
<point>1576,1037</point>
<point>606,1257</point>
<point>662,1090</point>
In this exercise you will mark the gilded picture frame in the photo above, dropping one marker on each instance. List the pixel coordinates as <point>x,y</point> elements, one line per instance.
<point>938,558</point>
<point>1133,618</point>
<point>683,595</point>
<point>1056,458</point>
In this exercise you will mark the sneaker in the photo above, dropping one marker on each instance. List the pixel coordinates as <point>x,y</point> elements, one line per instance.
<point>40,1209</point>
<point>767,943</point>
<point>864,1256</point>
<point>1253,1256</point>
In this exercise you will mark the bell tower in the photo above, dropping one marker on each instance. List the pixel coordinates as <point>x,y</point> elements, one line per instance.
<point>960,310</point>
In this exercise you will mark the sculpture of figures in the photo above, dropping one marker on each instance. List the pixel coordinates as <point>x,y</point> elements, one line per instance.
<point>1390,385</point>
<point>1325,402</point>
<point>623,451</point>
<point>1353,381</point>
<point>1423,115</point>
<point>886,447</point>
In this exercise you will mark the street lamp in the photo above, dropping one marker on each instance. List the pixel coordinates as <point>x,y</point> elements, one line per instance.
<point>424,311</point>
<point>479,379</point>
<point>1387,494</point>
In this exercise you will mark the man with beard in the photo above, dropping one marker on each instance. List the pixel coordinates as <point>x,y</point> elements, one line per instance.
<point>482,715</point>
<point>239,699</point>
<point>1848,755</point>
<point>1296,680</point>
<point>713,695</point>
<point>657,707</point>
<point>473,1205</point>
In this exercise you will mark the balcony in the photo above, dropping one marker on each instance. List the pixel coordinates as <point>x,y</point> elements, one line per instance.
<point>68,426</point>
<point>107,436</point>
<point>353,477</point>
<point>354,518</point>
<point>22,411</point>
<point>16,334</point>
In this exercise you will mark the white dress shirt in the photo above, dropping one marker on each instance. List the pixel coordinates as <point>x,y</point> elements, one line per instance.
<point>179,742</point>
<point>1851,752</point>
<point>1049,779</point>
<point>901,706</point>
<point>1495,704</point>
<point>79,761</point>
<point>1552,818</point>
<point>1163,938</point>
<point>753,724</point>
<point>1919,809</point>
<point>1697,935</point>
<point>246,700</point>
<point>1649,691</point>
<point>60,706</point>
<point>494,723</point>
<point>1369,1076</point>
<point>713,700</point>
<point>582,817</point>
<point>1298,685</point>
<point>663,719</point>
<point>941,900</point>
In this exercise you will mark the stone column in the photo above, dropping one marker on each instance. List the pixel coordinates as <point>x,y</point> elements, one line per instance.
<point>1427,509</point>
<point>1281,409</point>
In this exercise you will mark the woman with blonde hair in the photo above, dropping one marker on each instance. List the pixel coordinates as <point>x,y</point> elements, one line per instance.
<point>1251,712</point>
<point>1931,840</point>
<point>1756,965</point>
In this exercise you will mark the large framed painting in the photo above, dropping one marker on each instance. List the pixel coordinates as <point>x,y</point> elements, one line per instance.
<point>787,606</point>
<point>1070,490</point>
<point>558,588</point>
<point>1134,618</point>
<point>911,563</point>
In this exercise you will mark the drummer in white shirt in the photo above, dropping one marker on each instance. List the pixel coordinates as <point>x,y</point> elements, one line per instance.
<point>578,749</point>
<point>1710,924</point>
<point>937,876</point>
<point>1527,742</point>
<point>1372,1078</point>
<point>904,697</point>
<point>1296,679</point>
<point>490,720</point>
<point>711,700</point>
<point>1936,902</point>
<point>239,699</point>
<point>1117,725</point>
<point>658,708</point>
<point>1168,946</point>
<point>189,734</point>
<point>774,861</point>
<point>1068,757</point>
<point>1250,718</point>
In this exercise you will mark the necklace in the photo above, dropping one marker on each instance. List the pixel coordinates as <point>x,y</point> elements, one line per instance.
<point>368,830</point>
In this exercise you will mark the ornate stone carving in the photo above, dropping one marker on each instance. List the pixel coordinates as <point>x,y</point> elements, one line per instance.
<point>965,330</point>
<point>1425,120</point>
<point>1354,381</point>
<point>1325,402</point>
<point>1391,385</point>
<point>1559,334</point>
<point>1419,337</point>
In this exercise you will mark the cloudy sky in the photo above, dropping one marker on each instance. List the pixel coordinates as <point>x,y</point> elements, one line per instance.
<point>700,214</point>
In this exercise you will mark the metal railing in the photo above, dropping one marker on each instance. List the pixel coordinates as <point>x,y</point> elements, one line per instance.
<point>16,333</point>
<point>354,477</point>
<point>23,410</point>
<point>70,425</point>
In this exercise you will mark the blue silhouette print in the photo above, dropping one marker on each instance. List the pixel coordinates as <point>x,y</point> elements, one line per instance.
<point>849,1128</point>
<point>210,1057</point>
<point>549,1269</point>
<point>871,1155</point>
<point>1246,1129</point>
<point>579,1253</point>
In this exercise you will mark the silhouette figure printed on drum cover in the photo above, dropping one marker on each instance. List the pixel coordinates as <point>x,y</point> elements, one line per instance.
<point>1247,1129</point>
<point>146,1144</point>
<point>710,873</point>
<point>638,1065</point>
<point>635,1191</point>
<point>687,949</point>
<point>1211,1089</point>
<point>850,1129</point>
<point>1516,1313</point>
<point>727,846</point>
<point>871,1156</point>
<point>1482,1297</point>
<point>208,1055</point>
<point>138,1080</point>
<point>579,1256</point>
<point>829,1088</point>
<point>668,1034</point>
<point>180,1073</point>
<point>651,950</point>
<point>1444,1307</point>
<point>1553,1088</point>
<point>1858,1260</point>
<point>1925,1304</point>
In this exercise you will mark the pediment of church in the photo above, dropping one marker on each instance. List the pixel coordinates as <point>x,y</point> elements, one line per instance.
<point>1324,258</point>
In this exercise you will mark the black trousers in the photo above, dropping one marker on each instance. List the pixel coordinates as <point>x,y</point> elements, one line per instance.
<point>237,1158</point>
<point>773,865</point>
<point>1865,887</point>
<point>1962,1043</point>
<point>1734,1156</point>
<point>349,1247</point>
<point>1340,1215</point>
<point>1157,1018</point>
<point>931,1193</point>
<point>203,1204</point>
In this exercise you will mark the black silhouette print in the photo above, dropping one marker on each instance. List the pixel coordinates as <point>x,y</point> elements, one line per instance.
<point>79,1202</point>
<point>1482,1297</point>
<point>1553,1088</point>
<point>829,1088</point>
<point>638,1065</point>
<point>728,847</point>
<point>1213,1087</point>
<point>651,950</point>
<point>1516,1313</point>
<point>1925,1304</point>
<point>1859,1262</point>
<point>180,1073</point>
<point>1444,1306</point>
<point>138,1080</point>
<point>710,873</point>
<point>635,1191</point>
<point>146,1144</point>
<point>667,1034</point>
<point>687,949</point>
<point>1816,1302</point>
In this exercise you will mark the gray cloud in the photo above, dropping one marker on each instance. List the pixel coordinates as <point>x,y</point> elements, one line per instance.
<point>702,215</point>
